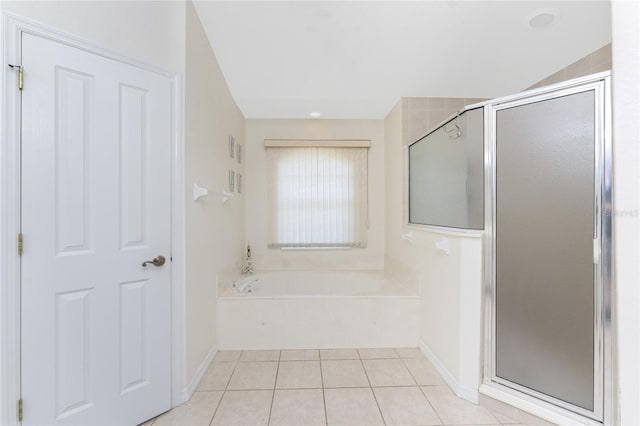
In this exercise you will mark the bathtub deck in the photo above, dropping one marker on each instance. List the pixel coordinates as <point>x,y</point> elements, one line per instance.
<point>327,387</point>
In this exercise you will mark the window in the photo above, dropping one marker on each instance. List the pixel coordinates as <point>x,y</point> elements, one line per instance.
<point>317,196</point>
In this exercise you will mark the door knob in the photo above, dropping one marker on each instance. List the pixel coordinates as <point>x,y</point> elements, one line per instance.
<point>158,261</point>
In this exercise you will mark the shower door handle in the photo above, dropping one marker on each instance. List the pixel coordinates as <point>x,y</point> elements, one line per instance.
<point>157,261</point>
<point>596,250</point>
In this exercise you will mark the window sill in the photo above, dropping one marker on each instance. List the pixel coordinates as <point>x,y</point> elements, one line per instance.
<point>315,248</point>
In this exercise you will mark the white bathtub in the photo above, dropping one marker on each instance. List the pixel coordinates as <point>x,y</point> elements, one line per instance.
<point>287,284</point>
<point>317,309</point>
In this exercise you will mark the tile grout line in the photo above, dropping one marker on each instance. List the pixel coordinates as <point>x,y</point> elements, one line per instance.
<point>371,389</point>
<point>410,373</point>
<point>216,409</point>
<point>323,387</point>
<point>273,392</point>
<point>420,387</point>
<point>403,360</point>
<point>324,398</point>
<point>232,373</point>
<point>431,405</point>
<point>224,391</point>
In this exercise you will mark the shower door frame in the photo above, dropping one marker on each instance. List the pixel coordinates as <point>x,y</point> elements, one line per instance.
<point>601,85</point>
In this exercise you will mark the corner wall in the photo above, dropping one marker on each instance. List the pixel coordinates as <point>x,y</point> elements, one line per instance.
<point>371,257</point>
<point>626,205</point>
<point>214,231</point>
<point>450,285</point>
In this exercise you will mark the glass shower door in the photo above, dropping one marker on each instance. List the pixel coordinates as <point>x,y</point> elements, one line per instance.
<point>547,327</point>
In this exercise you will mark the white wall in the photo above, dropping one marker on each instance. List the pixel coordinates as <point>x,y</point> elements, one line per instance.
<point>450,285</point>
<point>214,231</point>
<point>626,194</point>
<point>371,257</point>
<point>152,32</point>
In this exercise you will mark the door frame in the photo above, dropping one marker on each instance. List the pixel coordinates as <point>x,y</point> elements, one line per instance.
<point>11,28</point>
<point>539,404</point>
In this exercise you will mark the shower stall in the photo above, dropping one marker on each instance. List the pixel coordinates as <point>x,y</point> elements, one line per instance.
<point>548,247</point>
<point>538,165</point>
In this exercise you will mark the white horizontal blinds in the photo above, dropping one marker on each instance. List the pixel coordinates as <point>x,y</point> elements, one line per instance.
<point>317,197</point>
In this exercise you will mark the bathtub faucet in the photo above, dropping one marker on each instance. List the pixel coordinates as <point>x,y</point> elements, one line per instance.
<point>246,285</point>
<point>248,268</point>
<point>248,262</point>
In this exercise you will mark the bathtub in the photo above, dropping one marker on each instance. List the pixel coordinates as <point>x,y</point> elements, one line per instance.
<point>317,310</point>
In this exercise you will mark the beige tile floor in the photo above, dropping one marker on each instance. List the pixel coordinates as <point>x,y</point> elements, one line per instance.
<point>349,387</point>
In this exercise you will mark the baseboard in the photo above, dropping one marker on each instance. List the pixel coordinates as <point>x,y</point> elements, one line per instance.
<point>534,407</point>
<point>463,392</point>
<point>197,376</point>
<point>469,394</point>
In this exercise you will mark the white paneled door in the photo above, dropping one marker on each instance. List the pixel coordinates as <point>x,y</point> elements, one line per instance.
<point>96,150</point>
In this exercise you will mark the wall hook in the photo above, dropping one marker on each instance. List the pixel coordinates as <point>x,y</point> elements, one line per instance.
<point>457,128</point>
<point>226,196</point>
<point>199,192</point>
<point>444,245</point>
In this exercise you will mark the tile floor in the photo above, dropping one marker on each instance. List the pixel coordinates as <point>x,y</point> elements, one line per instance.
<point>349,387</point>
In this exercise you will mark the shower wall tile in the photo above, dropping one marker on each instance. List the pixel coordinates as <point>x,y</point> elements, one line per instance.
<point>601,59</point>
<point>437,116</point>
<point>421,115</point>
<point>471,101</point>
<point>597,61</point>
<point>436,103</point>
<point>579,68</point>
<point>454,103</point>
<point>418,103</point>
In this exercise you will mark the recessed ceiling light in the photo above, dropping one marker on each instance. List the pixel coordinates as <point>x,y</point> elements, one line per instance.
<point>543,18</point>
<point>315,114</point>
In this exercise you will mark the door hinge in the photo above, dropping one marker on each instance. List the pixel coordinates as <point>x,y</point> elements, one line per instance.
<point>20,410</point>
<point>20,75</point>
<point>20,244</point>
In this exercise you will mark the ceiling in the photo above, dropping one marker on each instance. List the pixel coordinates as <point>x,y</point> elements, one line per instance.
<point>355,59</point>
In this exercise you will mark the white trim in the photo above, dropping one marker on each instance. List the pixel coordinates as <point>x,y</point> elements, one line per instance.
<point>18,24</point>
<point>11,26</point>
<point>178,279</point>
<point>463,392</point>
<point>534,406</point>
<point>9,228</point>
<point>324,143</point>
<point>197,376</point>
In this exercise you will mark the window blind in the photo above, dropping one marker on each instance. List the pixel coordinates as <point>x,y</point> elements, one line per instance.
<point>317,197</point>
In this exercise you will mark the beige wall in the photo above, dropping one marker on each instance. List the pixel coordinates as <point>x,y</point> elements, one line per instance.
<point>371,257</point>
<point>214,231</point>
<point>597,61</point>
